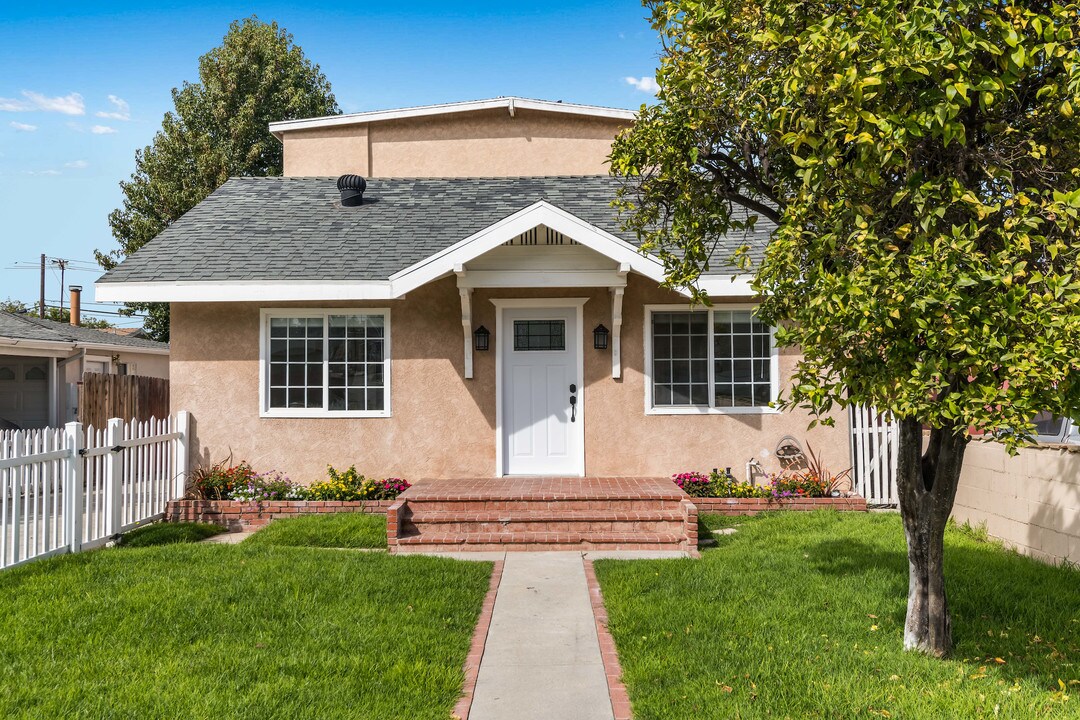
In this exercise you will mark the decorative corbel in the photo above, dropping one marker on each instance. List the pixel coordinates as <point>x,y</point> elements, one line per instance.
<point>466,321</point>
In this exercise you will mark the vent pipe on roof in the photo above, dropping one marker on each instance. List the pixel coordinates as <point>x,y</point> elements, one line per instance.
<point>76,309</point>
<point>352,189</point>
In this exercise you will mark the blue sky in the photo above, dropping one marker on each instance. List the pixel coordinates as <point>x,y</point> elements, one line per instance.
<point>86,84</point>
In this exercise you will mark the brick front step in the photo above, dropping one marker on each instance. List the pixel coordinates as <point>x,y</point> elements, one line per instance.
<point>445,523</point>
<point>543,514</point>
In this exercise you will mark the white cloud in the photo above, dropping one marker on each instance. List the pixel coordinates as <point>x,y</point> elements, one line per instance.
<point>102,130</point>
<point>122,110</point>
<point>42,172</point>
<point>23,127</point>
<point>644,84</point>
<point>71,104</point>
<point>77,164</point>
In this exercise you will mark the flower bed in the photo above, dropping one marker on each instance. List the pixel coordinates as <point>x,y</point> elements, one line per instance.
<point>719,493</point>
<point>238,498</point>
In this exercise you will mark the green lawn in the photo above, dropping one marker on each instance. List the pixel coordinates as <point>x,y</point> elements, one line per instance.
<point>801,615</point>
<point>236,631</point>
<point>341,530</point>
<point>164,533</point>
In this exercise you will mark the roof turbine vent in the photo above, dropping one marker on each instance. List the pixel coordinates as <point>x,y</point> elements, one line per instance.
<point>352,189</point>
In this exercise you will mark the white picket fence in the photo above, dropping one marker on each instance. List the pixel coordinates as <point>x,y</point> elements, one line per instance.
<point>874,444</point>
<point>66,489</point>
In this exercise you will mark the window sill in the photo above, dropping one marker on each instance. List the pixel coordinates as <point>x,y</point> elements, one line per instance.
<point>691,410</point>
<point>324,414</point>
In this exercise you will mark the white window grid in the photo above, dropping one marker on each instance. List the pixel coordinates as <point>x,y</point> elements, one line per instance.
<point>710,407</point>
<point>342,359</point>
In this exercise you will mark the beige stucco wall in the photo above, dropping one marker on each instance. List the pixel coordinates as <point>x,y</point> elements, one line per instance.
<point>442,424</point>
<point>483,143</point>
<point>1030,501</point>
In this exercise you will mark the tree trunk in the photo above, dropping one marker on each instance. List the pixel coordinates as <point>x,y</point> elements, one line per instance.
<point>926,485</point>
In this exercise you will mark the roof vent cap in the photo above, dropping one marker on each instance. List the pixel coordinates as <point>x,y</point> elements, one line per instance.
<point>352,189</point>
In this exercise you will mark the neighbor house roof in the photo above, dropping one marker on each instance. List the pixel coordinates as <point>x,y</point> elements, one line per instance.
<point>295,228</point>
<point>16,328</point>
<point>511,104</point>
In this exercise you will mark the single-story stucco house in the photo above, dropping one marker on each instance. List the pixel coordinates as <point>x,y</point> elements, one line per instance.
<point>42,362</point>
<point>473,310</point>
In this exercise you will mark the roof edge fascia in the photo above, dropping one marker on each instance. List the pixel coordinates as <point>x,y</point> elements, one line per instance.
<point>242,291</point>
<point>510,103</point>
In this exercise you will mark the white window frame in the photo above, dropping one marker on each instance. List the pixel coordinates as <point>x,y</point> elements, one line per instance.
<point>710,409</point>
<point>265,314</point>
<point>1069,435</point>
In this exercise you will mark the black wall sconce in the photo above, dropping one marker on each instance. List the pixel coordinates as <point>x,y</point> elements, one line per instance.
<point>599,337</point>
<point>481,339</point>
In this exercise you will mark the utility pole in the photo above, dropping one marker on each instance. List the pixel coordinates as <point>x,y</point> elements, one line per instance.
<point>41,299</point>
<point>62,264</point>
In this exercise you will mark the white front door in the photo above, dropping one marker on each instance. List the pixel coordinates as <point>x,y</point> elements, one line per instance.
<point>541,391</point>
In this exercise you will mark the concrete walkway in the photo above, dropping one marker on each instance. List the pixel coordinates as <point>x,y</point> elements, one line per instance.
<point>542,656</point>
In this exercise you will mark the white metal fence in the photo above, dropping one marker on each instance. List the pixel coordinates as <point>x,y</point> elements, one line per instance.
<point>874,444</point>
<point>66,489</point>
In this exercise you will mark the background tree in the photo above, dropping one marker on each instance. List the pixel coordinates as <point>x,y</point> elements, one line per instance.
<point>219,129</point>
<point>921,161</point>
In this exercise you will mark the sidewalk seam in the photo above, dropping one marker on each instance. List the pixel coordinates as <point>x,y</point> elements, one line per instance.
<point>479,640</point>
<point>620,700</point>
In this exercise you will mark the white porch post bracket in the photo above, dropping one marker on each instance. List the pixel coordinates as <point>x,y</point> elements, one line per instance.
<point>182,448</point>
<point>466,320</point>
<point>73,487</point>
<point>114,480</point>
<point>616,323</point>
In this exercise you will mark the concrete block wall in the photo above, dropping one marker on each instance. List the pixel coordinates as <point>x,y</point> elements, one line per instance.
<point>1030,501</point>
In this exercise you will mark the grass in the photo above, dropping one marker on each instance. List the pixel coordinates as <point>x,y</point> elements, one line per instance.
<point>340,530</point>
<point>236,631</point>
<point>801,615</point>
<point>169,533</point>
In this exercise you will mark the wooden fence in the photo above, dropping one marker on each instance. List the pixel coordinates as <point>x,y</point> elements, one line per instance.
<point>128,397</point>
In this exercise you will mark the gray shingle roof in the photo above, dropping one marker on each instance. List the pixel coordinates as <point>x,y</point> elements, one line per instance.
<point>294,228</point>
<point>26,327</point>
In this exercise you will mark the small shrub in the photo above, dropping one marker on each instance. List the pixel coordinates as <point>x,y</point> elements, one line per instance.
<point>345,485</point>
<point>218,481</point>
<point>694,484</point>
<point>724,485</point>
<point>806,484</point>
<point>268,486</point>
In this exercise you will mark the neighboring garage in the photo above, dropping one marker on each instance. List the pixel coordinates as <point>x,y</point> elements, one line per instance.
<point>24,391</point>
<point>42,365</point>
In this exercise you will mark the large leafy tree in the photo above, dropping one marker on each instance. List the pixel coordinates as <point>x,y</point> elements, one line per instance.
<point>921,162</point>
<point>217,130</point>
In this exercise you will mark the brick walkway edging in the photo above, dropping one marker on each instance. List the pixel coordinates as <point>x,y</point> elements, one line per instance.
<point>476,650</point>
<point>620,700</point>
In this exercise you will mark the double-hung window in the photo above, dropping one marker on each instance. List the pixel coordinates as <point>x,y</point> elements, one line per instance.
<point>720,360</point>
<point>326,363</point>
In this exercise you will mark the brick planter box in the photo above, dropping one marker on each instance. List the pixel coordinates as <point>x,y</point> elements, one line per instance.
<point>753,506</point>
<point>235,515</point>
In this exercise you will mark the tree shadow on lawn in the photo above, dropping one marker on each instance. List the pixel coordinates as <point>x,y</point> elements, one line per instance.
<point>1005,607</point>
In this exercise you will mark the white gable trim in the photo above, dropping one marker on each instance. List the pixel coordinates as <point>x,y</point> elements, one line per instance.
<point>539,213</point>
<point>510,103</point>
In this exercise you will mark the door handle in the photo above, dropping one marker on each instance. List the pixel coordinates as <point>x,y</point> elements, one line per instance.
<point>573,407</point>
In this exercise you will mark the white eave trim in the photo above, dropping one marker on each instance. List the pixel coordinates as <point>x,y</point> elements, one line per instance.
<point>511,104</point>
<point>243,291</point>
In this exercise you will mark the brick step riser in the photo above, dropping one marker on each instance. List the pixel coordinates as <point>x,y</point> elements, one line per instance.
<point>544,506</point>
<point>534,547</point>
<point>542,526</point>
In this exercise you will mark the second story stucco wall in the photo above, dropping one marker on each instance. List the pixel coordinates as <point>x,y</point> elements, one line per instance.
<point>482,143</point>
